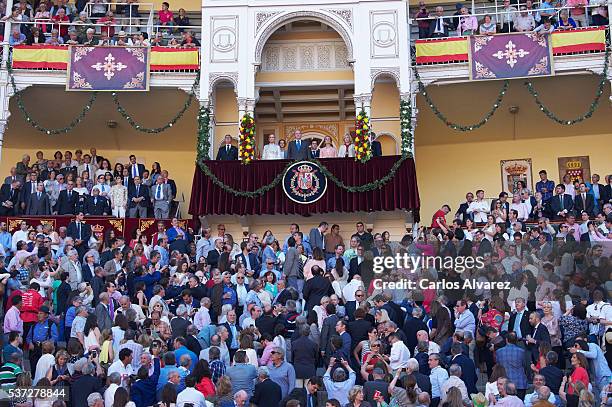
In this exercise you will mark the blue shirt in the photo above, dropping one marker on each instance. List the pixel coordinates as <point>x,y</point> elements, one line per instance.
<point>549,185</point>
<point>8,350</point>
<point>233,300</point>
<point>284,376</point>
<point>40,332</point>
<point>164,256</point>
<point>70,315</point>
<point>184,351</point>
<point>164,372</point>
<point>6,241</point>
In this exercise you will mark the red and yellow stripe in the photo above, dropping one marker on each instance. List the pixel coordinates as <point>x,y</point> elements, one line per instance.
<point>40,57</point>
<point>442,51</point>
<point>56,57</point>
<point>577,41</point>
<point>164,59</point>
<point>448,50</point>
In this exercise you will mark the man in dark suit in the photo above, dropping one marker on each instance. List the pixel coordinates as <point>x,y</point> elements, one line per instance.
<point>227,152</point>
<point>462,213</point>
<point>376,147</point>
<point>597,191</point>
<point>233,332</point>
<point>169,182</point>
<point>38,202</point>
<point>484,245</point>
<point>606,195</point>
<point>561,203</point>
<point>584,201</point>
<point>249,260</point>
<point>266,393</point>
<point>308,396</point>
<point>538,335</point>
<point>328,330</point>
<point>67,200</point>
<point>315,288</point>
<point>213,256</point>
<point>305,354</point>
<point>521,326</point>
<point>359,328</point>
<point>28,189</point>
<point>138,199</point>
<point>468,369</point>
<point>439,26</point>
<point>135,169</point>
<point>298,149</point>
<point>317,236</point>
<point>412,325</point>
<point>314,149</point>
<point>97,205</point>
<point>80,232</point>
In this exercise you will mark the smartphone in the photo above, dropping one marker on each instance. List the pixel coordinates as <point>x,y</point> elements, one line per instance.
<point>376,394</point>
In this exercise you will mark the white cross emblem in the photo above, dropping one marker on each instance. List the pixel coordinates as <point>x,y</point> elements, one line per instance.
<point>511,54</point>
<point>109,66</point>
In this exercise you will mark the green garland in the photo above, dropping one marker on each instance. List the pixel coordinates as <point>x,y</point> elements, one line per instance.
<point>454,125</point>
<point>594,105</point>
<point>34,123</point>
<point>406,127</point>
<point>165,127</point>
<point>203,143</point>
<point>378,184</point>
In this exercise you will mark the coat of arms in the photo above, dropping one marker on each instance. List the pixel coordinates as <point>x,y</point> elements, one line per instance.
<point>304,182</point>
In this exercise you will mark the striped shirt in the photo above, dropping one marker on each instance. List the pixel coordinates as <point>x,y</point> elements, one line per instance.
<point>8,374</point>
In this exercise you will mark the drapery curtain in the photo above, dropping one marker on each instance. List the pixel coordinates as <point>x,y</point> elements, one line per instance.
<point>400,192</point>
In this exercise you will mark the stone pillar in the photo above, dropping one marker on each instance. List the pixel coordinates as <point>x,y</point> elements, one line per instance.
<point>5,95</point>
<point>7,35</point>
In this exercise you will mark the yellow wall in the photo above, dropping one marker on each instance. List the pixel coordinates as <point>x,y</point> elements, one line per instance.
<point>174,148</point>
<point>385,116</point>
<point>447,172</point>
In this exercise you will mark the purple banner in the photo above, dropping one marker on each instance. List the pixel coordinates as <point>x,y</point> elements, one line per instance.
<point>108,68</point>
<point>504,56</point>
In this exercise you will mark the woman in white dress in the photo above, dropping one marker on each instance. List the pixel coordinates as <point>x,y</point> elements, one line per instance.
<point>79,187</point>
<point>347,149</point>
<point>118,198</point>
<point>271,151</point>
<point>91,334</point>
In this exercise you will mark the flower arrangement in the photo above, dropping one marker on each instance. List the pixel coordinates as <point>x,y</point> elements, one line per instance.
<point>246,146</point>
<point>361,138</point>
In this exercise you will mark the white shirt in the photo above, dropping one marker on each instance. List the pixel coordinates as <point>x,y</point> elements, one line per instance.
<point>483,209</point>
<point>201,318</point>
<point>271,152</point>
<point>42,367</point>
<point>570,190</point>
<point>109,395</point>
<point>191,395</point>
<point>124,371</point>
<point>601,310</point>
<point>399,356</point>
<point>433,348</point>
<point>17,236</point>
<point>348,292</point>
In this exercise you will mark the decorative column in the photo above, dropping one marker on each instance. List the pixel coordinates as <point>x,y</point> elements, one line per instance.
<point>363,101</point>
<point>5,95</point>
<point>7,34</point>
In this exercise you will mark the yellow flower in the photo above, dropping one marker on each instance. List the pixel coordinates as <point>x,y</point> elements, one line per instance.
<point>359,117</point>
<point>356,139</point>
<point>360,149</point>
<point>358,131</point>
<point>366,120</point>
<point>365,127</point>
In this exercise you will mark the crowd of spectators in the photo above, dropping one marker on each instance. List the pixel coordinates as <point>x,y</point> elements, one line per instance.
<point>303,320</point>
<point>87,183</point>
<point>511,16</point>
<point>62,23</point>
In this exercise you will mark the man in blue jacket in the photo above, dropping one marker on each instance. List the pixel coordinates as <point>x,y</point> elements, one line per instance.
<point>143,389</point>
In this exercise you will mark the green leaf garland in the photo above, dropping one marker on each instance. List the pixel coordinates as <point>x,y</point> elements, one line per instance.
<point>454,125</point>
<point>168,125</point>
<point>593,106</point>
<point>203,143</point>
<point>406,127</point>
<point>35,124</point>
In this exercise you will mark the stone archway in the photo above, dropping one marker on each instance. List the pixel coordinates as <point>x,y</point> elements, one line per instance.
<point>274,23</point>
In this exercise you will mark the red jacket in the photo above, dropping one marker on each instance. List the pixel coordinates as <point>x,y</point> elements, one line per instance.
<point>32,301</point>
<point>206,387</point>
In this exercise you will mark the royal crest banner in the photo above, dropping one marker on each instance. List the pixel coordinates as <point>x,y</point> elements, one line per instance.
<point>108,69</point>
<point>506,56</point>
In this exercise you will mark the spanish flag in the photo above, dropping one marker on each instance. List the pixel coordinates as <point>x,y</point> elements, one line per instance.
<point>442,51</point>
<point>579,41</point>
<point>40,57</point>
<point>166,59</point>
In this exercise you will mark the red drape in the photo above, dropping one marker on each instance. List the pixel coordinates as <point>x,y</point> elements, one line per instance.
<point>207,198</point>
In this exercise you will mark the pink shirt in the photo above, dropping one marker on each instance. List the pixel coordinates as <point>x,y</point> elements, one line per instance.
<point>165,16</point>
<point>267,353</point>
<point>327,152</point>
<point>13,321</point>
